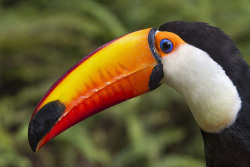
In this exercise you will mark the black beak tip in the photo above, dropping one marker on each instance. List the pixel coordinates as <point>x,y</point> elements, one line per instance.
<point>43,121</point>
<point>32,138</point>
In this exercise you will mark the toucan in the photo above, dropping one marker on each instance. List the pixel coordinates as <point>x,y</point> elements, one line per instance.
<point>199,61</point>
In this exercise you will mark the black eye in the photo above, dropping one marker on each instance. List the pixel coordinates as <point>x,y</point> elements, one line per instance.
<point>166,45</point>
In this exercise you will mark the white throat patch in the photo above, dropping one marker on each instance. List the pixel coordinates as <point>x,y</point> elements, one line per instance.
<point>210,94</point>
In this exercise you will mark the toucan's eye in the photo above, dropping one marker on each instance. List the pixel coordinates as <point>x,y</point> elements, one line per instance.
<point>166,45</point>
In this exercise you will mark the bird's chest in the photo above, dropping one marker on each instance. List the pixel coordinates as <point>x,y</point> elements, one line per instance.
<point>221,152</point>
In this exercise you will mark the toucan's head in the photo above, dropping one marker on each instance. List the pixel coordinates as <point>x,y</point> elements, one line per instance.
<point>193,58</point>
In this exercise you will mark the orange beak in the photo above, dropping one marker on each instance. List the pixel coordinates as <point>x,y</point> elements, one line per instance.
<point>119,70</point>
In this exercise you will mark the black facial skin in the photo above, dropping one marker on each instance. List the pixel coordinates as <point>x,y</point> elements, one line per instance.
<point>157,73</point>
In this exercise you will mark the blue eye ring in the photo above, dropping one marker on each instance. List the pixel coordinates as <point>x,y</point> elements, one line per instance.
<point>166,45</point>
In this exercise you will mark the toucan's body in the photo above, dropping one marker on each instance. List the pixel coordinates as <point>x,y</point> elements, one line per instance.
<point>197,60</point>
<point>231,146</point>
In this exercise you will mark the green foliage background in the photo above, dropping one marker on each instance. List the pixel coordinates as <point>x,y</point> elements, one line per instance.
<point>41,39</point>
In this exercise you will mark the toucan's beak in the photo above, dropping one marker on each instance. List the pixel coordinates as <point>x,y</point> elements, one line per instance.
<point>119,70</point>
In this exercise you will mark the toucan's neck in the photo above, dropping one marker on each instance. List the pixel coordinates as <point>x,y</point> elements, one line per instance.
<point>231,147</point>
<point>210,94</point>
